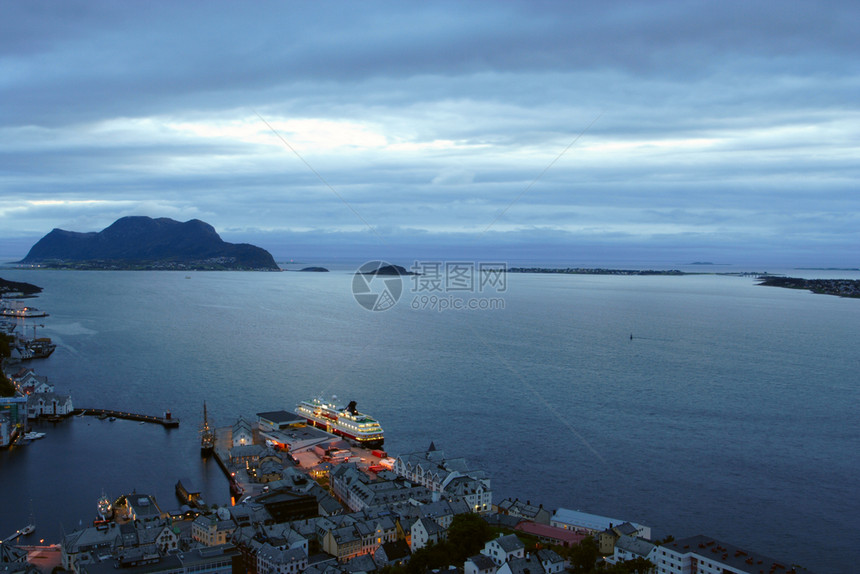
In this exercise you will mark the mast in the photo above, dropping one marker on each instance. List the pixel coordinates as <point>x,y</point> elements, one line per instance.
<point>207,435</point>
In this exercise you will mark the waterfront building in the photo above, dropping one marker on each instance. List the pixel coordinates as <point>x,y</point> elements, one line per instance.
<point>242,433</point>
<point>591,523</point>
<point>48,403</point>
<point>15,411</point>
<point>706,555</point>
<point>143,508</point>
<point>279,421</point>
<point>28,382</point>
<point>5,430</point>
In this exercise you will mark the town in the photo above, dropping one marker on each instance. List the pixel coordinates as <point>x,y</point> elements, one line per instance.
<point>306,500</point>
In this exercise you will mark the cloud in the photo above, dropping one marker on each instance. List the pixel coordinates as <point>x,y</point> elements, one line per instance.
<point>714,120</point>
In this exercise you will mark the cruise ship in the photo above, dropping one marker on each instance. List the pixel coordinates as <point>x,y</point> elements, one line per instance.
<point>346,421</point>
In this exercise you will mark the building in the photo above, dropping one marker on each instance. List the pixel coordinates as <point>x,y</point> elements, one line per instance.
<point>281,560</point>
<point>592,523</point>
<point>525,510</point>
<point>630,548</point>
<point>394,553</point>
<point>705,555</point>
<point>15,411</point>
<point>424,531</point>
<point>210,530</point>
<point>551,534</point>
<point>479,564</point>
<point>48,403</point>
<point>242,435</point>
<point>358,491</point>
<point>446,477</point>
<point>504,548</point>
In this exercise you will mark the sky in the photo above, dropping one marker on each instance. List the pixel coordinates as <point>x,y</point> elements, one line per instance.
<point>577,132</point>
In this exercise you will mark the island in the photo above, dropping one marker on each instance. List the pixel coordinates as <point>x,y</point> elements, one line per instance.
<point>594,271</point>
<point>144,243</point>
<point>314,270</point>
<point>9,288</point>
<point>840,287</point>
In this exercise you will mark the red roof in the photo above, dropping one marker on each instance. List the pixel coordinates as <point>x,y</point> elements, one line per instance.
<point>546,531</point>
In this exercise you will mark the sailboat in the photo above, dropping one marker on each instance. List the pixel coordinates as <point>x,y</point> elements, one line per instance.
<point>207,435</point>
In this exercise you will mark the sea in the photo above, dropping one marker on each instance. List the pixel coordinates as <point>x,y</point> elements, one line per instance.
<point>694,404</point>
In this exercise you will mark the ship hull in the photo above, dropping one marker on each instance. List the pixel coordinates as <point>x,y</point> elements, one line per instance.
<point>348,423</point>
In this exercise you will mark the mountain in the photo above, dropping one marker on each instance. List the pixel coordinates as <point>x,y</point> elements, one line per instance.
<point>139,242</point>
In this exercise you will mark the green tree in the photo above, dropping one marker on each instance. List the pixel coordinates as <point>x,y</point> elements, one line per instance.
<point>583,556</point>
<point>467,535</point>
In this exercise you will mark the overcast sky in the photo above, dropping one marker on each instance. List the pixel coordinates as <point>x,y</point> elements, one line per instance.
<point>574,131</point>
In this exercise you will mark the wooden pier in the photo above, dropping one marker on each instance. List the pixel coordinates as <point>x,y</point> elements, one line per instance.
<point>166,421</point>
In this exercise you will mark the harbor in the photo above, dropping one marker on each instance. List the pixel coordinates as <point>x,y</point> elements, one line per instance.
<point>166,421</point>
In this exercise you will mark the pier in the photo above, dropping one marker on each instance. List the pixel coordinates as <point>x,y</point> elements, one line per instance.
<point>166,421</point>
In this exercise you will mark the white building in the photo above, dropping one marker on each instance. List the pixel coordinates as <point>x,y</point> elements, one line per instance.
<point>630,548</point>
<point>705,555</point>
<point>504,548</point>
<point>48,404</point>
<point>446,478</point>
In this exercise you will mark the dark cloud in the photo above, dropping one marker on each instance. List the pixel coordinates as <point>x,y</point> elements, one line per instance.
<point>737,120</point>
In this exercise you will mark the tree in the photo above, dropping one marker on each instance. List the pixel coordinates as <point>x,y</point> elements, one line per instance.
<point>467,535</point>
<point>583,556</point>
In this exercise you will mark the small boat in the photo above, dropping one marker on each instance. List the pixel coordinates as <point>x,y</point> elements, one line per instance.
<point>33,435</point>
<point>112,419</point>
<point>29,529</point>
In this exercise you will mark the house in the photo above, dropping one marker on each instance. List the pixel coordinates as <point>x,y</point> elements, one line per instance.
<point>394,553</point>
<point>28,382</point>
<point>168,538</point>
<point>525,510</point>
<point>242,433</point>
<point>504,548</point>
<point>606,540</point>
<point>479,564</point>
<point>631,548</point>
<point>550,560</point>
<point>247,455</point>
<point>528,564</point>
<point>343,543</point>
<point>424,531</point>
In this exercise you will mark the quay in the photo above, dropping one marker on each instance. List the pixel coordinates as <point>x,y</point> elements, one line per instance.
<point>166,421</point>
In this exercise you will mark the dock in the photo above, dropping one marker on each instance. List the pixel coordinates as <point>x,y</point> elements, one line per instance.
<point>166,421</point>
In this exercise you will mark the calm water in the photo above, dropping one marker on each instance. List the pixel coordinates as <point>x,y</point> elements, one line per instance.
<point>732,412</point>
